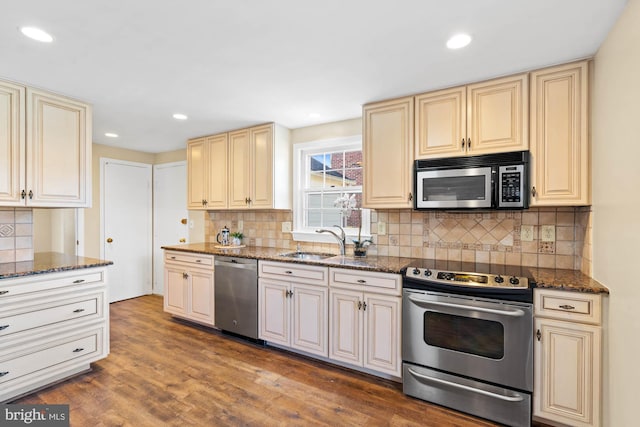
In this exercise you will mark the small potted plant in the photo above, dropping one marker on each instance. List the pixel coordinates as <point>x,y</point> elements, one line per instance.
<point>360,246</point>
<point>236,238</point>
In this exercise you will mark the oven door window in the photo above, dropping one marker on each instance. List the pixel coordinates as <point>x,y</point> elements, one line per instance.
<point>464,334</point>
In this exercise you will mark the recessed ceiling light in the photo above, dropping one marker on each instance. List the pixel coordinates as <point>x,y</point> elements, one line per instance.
<point>111,135</point>
<point>179,116</point>
<point>458,41</point>
<point>36,34</point>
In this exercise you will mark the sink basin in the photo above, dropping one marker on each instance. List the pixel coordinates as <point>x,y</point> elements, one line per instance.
<point>309,256</point>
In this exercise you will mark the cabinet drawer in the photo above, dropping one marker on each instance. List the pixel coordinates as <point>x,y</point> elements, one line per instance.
<point>290,272</point>
<point>44,282</point>
<point>75,348</point>
<point>56,313</point>
<point>580,307</point>
<point>386,283</point>
<point>188,258</point>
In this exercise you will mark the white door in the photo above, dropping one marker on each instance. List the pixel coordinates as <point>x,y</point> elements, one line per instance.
<point>126,232</point>
<point>170,214</point>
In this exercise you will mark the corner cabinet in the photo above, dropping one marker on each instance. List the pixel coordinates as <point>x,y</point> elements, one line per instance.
<point>189,283</point>
<point>46,149</point>
<point>52,327</point>
<point>207,172</point>
<point>568,371</point>
<point>481,118</point>
<point>560,173</point>
<point>243,169</point>
<point>388,154</point>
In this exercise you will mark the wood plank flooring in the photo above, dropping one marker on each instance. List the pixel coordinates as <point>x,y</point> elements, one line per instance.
<point>165,372</point>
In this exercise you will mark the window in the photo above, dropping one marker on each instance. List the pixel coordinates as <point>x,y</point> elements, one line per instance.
<point>328,189</point>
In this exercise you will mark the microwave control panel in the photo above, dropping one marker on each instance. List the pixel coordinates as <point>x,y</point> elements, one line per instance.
<point>511,186</point>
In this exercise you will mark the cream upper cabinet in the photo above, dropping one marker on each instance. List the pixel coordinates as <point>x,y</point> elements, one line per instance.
<point>46,145</point>
<point>560,172</point>
<point>12,144</point>
<point>261,196</point>
<point>239,169</point>
<point>567,357</point>
<point>207,172</point>
<point>481,118</point>
<point>388,154</point>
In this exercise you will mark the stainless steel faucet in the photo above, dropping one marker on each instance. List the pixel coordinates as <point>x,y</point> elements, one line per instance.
<point>342,238</point>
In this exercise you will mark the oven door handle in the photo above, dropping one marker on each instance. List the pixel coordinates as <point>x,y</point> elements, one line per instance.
<point>467,388</point>
<point>511,313</point>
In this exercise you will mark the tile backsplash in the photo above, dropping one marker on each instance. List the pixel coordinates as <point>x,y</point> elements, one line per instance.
<point>462,236</point>
<point>16,235</point>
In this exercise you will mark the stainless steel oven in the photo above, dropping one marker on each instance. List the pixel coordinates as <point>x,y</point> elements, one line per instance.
<point>467,347</point>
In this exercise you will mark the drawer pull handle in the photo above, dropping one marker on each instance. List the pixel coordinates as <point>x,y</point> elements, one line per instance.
<point>567,307</point>
<point>78,310</point>
<point>3,327</point>
<point>78,281</point>
<point>198,260</point>
<point>173,257</point>
<point>288,272</point>
<point>4,292</point>
<point>362,281</point>
<point>2,374</point>
<point>78,350</point>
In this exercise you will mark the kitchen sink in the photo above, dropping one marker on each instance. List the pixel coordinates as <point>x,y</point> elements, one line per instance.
<point>309,256</point>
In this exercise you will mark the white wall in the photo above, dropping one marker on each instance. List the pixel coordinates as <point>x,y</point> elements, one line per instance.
<point>616,210</point>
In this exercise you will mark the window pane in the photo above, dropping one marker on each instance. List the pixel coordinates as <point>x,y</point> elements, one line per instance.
<point>316,180</point>
<point>314,218</point>
<point>314,201</point>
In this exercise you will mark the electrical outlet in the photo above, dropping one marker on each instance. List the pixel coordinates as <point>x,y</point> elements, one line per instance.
<point>382,228</point>
<point>286,227</point>
<point>526,233</point>
<point>548,233</point>
<point>240,225</point>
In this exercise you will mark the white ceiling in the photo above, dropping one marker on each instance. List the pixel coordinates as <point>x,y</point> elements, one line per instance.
<point>228,64</point>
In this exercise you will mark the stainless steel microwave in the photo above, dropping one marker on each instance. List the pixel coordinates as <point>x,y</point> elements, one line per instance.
<point>490,181</point>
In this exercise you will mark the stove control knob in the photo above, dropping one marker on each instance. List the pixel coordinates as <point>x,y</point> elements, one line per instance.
<point>498,279</point>
<point>514,280</point>
<point>427,272</point>
<point>448,276</point>
<point>416,271</point>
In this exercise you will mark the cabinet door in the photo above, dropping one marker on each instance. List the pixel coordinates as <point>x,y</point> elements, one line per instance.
<point>567,373</point>
<point>201,294</point>
<point>382,334</point>
<point>559,136</point>
<point>175,294</point>
<point>218,172</point>
<point>498,115</point>
<point>274,311</point>
<point>240,173</point>
<point>346,326</point>
<point>58,151</point>
<point>309,322</point>
<point>12,140</point>
<point>388,154</point>
<point>262,159</point>
<point>441,123</point>
<point>197,170</point>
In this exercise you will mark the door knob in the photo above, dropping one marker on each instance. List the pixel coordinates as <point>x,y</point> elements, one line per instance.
<point>109,240</point>
<point>183,221</point>
<point>183,240</point>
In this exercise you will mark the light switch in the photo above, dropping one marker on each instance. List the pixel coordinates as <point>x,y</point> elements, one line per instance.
<point>240,225</point>
<point>526,233</point>
<point>382,228</point>
<point>548,233</point>
<point>286,227</point>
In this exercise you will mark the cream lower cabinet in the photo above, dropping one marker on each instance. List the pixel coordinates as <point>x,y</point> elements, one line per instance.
<point>52,326</point>
<point>365,320</point>
<point>293,306</point>
<point>45,151</point>
<point>189,286</point>
<point>480,118</point>
<point>387,150</point>
<point>567,366</point>
<point>560,171</point>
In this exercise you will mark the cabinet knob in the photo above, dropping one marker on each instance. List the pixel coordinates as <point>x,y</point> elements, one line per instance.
<point>468,143</point>
<point>567,307</point>
<point>462,144</point>
<point>4,292</point>
<point>359,305</point>
<point>30,195</point>
<point>3,327</point>
<point>410,197</point>
<point>2,374</point>
<point>539,335</point>
<point>364,306</point>
<point>23,194</point>
<point>533,191</point>
<point>362,281</point>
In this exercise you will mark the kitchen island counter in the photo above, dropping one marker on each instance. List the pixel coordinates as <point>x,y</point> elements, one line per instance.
<point>48,262</point>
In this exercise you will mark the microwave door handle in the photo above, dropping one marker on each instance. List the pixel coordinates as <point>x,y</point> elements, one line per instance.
<point>510,313</point>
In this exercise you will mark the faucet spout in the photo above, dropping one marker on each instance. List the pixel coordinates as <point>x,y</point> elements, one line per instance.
<point>342,238</point>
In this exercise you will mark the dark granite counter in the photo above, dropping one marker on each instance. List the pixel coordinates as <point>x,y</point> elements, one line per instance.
<point>48,262</point>
<point>567,280</point>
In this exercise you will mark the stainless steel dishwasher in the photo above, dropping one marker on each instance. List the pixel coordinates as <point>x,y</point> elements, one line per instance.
<point>236,295</point>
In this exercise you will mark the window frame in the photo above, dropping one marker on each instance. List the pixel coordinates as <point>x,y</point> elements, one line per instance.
<point>300,151</point>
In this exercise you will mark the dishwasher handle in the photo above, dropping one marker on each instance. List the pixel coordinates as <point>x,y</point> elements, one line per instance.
<point>233,263</point>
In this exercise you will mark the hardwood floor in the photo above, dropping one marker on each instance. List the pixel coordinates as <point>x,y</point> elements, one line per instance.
<point>162,371</point>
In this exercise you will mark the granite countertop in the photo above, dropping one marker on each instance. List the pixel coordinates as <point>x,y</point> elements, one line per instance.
<point>567,280</point>
<point>48,262</point>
